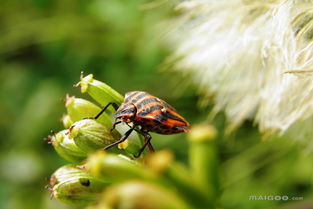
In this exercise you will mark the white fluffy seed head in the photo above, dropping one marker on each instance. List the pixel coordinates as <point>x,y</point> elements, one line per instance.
<point>255,57</point>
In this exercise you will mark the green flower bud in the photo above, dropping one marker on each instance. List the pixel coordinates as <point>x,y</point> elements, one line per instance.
<point>118,168</point>
<point>74,186</point>
<point>78,109</point>
<point>99,91</point>
<point>202,132</point>
<point>203,159</point>
<point>89,135</point>
<point>141,195</point>
<point>66,147</point>
<point>66,120</point>
<point>178,175</point>
<point>159,161</point>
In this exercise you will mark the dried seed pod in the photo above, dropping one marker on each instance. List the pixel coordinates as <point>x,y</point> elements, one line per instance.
<point>66,147</point>
<point>74,186</point>
<point>89,135</point>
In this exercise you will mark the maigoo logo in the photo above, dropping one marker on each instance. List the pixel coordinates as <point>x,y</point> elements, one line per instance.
<point>274,198</point>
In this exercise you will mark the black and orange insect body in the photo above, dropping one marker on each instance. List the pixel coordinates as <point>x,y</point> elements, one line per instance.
<point>148,112</point>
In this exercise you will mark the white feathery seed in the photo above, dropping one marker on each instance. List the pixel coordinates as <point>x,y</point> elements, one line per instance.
<point>255,57</point>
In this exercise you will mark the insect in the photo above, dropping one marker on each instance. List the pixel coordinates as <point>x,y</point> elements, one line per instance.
<point>149,113</point>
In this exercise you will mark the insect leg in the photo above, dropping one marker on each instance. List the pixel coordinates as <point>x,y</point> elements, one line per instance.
<point>121,140</point>
<point>116,123</point>
<point>147,142</point>
<point>144,133</point>
<point>147,136</point>
<point>150,147</point>
<point>103,109</point>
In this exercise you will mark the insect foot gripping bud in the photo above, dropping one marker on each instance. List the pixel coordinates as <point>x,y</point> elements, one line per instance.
<point>89,135</point>
<point>78,109</point>
<point>66,147</point>
<point>99,91</point>
<point>140,195</point>
<point>74,186</point>
<point>203,158</point>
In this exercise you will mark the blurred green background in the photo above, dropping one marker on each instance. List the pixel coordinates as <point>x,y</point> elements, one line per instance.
<point>45,44</point>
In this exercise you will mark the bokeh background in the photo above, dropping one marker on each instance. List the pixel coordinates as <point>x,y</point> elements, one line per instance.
<point>45,44</point>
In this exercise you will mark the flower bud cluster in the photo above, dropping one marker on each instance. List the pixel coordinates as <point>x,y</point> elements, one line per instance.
<point>115,178</point>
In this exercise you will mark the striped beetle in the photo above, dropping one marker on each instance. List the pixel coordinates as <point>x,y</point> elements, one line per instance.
<point>150,113</point>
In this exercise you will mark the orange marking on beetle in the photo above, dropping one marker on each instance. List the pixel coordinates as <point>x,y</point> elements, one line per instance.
<point>142,99</point>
